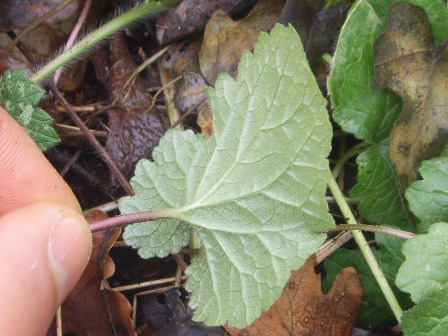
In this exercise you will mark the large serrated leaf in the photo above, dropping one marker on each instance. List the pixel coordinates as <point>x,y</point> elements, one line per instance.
<point>19,97</point>
<point>253,192</point>
<point>424,275</point>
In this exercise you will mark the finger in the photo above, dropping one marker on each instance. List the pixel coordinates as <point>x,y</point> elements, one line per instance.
<point>45,247</point>
<point>26,175</point>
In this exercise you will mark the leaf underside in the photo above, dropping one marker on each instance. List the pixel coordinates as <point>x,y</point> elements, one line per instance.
<point>253,192</point>
<point>19,97</point>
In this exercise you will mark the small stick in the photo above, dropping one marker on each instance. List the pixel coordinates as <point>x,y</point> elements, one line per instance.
<point>374,228</point>
<point>186,114</point>
<point>73,36</point>
<point>93,141</point>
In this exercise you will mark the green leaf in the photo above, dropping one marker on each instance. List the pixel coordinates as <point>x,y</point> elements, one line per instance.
<point>360,108</point>
<point>424,275</point>
<point>429,317</point>
<point>253,192</point>
<point>378,190</point>
<point>428,198</point>
<point>375,310</point>
<point>19,97</point>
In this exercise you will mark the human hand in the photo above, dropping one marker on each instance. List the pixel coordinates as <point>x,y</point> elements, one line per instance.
<point>45,242</point>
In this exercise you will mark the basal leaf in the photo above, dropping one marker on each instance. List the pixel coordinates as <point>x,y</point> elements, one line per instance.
<point>378,190</point>
<point>253,192</point>
<point>424,275</point>
<point>428,198</point>
<point>358,107</point>
<point>19,97</point>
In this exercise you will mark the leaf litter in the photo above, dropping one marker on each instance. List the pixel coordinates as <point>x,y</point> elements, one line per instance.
<point>206,19</point>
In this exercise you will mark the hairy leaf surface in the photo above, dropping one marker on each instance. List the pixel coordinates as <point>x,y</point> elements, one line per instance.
<point>424,275</point>
<point>253,192</point>
<point>19,97</point>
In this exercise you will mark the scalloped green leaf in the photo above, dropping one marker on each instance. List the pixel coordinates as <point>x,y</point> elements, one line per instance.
<point>19,97</point>
<point>428,198</point>
<point>424,275</point>
<point>253,192</point>
<point>378,189</point>
<point>359,108</point>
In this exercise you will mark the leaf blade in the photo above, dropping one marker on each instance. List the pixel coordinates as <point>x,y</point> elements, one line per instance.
<point>256,186</point>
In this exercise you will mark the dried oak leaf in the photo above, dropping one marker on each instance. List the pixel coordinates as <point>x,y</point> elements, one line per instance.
<point>303,310</point>
<point>407,62</point>
<point>192,15</point>
<point>225,39</point>
<point>134,129</point>
<point>90,310</point>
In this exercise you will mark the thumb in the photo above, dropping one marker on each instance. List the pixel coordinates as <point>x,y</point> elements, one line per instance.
<point>45,247</point>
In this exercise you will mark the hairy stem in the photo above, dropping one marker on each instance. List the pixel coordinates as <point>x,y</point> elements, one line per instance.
<point>147,7</point>
<point>122,220</point>
<point>365,249</point>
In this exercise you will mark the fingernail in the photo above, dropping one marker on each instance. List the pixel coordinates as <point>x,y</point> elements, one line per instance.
<point>67,250</point>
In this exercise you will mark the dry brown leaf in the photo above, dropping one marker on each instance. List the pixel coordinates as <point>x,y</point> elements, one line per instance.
<point>192,15</point>
<point>407,63</point>
<point>89,310</point>
<point>225,39</point>
<point>134,129</point>
<point>18,14</point>
<point>303,310</point>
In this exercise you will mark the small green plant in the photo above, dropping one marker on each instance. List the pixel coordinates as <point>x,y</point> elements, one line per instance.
<point>251,197</point>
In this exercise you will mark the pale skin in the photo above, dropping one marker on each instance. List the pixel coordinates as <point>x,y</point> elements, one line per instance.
<point>45,242</point>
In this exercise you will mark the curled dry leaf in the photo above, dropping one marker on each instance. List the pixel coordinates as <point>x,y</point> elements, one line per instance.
<point>303,310</point>
<point>90,310</point>
<point>407,63</point>
<point>135,129</point>
<point>192,15</point>
<point>225,39</point>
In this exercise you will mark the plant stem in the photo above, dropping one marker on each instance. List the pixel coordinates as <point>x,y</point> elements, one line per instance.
<point>374,228</point>
<point>358,149</point>
<point>147,7</point>
<point>365,249</point>
<point>132,218</point>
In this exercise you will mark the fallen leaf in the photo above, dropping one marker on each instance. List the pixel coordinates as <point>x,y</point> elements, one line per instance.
<point>192,15</point>
<point>407,63</point>
<point>134,129</point>
<point>89,310</point>
<point>18,14</point>
<point>168,314</point>
<point>190,94</point>
<point>303,310</point>
<point>225,39</point>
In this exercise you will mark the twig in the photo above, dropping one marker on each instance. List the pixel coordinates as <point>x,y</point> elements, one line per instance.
<point>93,141</point>
<point>74,35</point>
<point>56,9</point>
<point>374,228</point>
<point>70,162</point>
<point>332,245</point>
<point>365,249</point>
<point>186,114</point>
<point>134,75</point>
